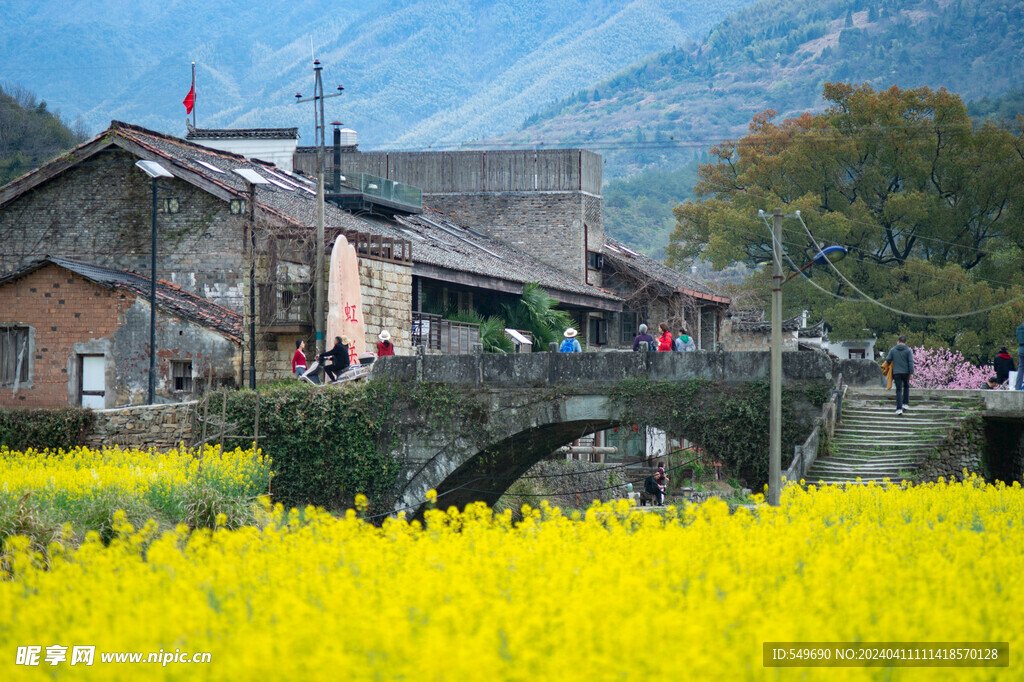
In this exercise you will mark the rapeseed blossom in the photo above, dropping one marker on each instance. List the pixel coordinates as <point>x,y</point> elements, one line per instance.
<point>86,486</point>
<point>610,594</point>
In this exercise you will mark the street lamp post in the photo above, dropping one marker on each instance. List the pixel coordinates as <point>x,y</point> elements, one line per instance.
<point>830,254</point>
<point>155,171</point>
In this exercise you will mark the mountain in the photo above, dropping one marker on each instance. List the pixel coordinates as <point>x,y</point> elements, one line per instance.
<point>416,72</point>
<point>30,134</point>
<point>776,54</point>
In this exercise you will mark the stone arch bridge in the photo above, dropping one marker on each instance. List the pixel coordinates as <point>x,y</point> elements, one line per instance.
<point>531,404</point>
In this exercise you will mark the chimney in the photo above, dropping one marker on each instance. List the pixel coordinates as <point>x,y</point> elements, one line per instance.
<point>337,156</point>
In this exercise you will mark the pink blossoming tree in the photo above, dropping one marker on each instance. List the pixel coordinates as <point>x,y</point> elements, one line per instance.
<point>945,368</point>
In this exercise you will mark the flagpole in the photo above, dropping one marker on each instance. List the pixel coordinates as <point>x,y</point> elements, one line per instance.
<point>194,95</point>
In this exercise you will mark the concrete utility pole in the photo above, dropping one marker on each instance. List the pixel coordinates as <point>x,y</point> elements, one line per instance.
<point>775,419</point>
<point>319,313</point>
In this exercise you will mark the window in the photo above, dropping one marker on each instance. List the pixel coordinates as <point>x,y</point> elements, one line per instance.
<point>630,322</point>
<point>15,355</point>
<point>598,331</point>
<point>595,261</point>
<point>237,206</point>
<point>857,353</point>
<point>181,375</point>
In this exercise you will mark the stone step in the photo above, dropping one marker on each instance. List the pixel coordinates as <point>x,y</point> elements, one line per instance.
<point>880,442</point>
<point>908,417</point>
<point>933,431</point>
<point>881,459</point>
<point>879,447</point>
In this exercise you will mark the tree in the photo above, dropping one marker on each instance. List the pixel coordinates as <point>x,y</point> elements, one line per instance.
<point>30,134</point>
<point>930,208</point>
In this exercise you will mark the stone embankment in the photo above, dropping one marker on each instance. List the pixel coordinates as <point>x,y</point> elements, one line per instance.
<point>159,427</point>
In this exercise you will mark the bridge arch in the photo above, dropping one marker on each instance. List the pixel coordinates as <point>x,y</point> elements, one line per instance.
<point>464,470</point>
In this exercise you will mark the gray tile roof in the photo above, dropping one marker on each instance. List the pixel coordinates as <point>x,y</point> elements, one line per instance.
<point>623,256</point>
<point>435,240</point>
<point>169,297</point>
<point>440,242</point>
<point>242,134</point>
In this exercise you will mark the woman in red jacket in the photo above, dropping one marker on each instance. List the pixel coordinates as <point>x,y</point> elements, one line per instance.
<point>384,346</point>
<point>664,337</point>
<point>299,358</point>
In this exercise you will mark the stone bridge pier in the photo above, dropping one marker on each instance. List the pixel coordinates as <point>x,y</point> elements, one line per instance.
<point>527,406</point>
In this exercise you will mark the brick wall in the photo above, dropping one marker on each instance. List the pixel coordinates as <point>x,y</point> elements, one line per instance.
<point>61,308</point>
<point>387,303</point>
<point>101,213</point>
<point>71,316</point>
<point>546,225</point>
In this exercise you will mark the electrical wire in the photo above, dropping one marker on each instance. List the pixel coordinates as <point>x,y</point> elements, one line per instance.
<point>905,313</point>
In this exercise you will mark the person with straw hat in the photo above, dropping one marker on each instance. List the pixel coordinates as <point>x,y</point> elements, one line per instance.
<point>570,344</point>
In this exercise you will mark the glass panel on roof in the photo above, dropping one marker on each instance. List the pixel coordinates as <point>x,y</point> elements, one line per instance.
<point>278,183</point>
<point>280,177</point>
<point>209,165</point>
<point>249,175</point>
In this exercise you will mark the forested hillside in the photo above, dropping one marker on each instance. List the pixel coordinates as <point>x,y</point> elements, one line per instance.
<point>30,134</point>
<point>416,72</point>
<point>777,54</point>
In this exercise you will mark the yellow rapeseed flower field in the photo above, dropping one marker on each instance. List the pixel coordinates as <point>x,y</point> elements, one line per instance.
<point>84,487</point>
<point>609,594</point>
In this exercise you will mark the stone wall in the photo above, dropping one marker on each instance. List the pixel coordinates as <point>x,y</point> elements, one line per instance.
<point>101,213</point>
<point>160,427</point>
<point>387,302</point>
<point>547,225</point>
<point>737,340</point>
<point>961,449</point>
<point>608,368</point>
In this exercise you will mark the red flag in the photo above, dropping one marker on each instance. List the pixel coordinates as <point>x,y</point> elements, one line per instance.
<point>190,98</point>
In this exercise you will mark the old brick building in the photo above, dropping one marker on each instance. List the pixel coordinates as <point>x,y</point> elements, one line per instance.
<point>653,293</point>
<point>78,334</point>
<point>93,205</point>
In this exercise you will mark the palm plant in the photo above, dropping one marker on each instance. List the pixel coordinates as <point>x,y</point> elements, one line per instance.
<point>492,331</point>
<point>535,311</point>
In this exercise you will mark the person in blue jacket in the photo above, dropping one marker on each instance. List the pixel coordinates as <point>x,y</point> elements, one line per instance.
<point>570,344</point>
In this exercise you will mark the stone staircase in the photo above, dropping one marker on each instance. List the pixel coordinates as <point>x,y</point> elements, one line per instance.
<point>872,443</point>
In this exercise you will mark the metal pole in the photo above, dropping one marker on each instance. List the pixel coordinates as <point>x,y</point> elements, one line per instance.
<point>252,287</point>
<point>152,307</point>
<point>775,418</point>
<point>318,281</point>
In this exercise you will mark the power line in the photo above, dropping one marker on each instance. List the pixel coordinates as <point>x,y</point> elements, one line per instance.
<point>904,312</point>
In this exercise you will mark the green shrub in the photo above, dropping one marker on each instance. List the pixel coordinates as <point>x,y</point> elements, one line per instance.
<point>327,443</point>
<point>66,427</point>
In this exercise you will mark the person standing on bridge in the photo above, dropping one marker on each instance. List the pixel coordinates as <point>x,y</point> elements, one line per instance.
<point>384,346</point>
<point>643,337</point>
<point>902,359</point>
<point>1003,365</point>
<point>299,358</point>
<point>570,344</point>
<point>684,342</point>
<point>664,337</point>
